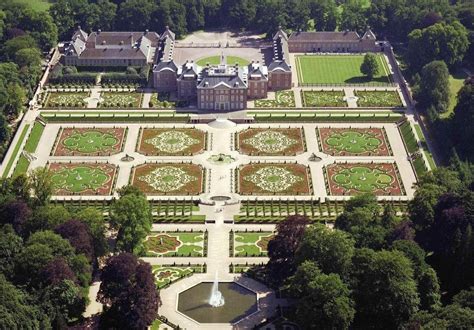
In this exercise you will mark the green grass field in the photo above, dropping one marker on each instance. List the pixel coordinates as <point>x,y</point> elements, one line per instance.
<point>424,145</point>
<point>338,69</point>
<point>456,81</point>
<point>33,139</point>
<point>409,137</point>
<point>215,60</point>
<point>15,151</point>
<point>36,5</point>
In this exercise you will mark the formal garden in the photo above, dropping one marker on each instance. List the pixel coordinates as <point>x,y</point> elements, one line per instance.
<point>283,99</point>
<point>176,244</point>
<point>338,70</point>
<point>354,141</point>
<point>323,99</point>
<point>120,100</point>
<point>347,179</point>
<point>249,243</point>
<point>161,101</point>
<point>168,274</point>
<point>271,142</point>
<point>378,98</point>
<point>82,178</point>
<point>169,179</point>
<point>91,141</point>
<point>274,179</point>
<point>171,141</point>
<point>65,100</point>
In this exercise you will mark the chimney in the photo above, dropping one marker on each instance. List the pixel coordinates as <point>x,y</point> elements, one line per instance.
<point>146,31</point>
<point>99,31</point>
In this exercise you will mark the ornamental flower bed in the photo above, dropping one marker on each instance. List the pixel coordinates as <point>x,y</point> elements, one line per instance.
<point>323,99</point>
<point>271,142</point>
<point>171,141</point>
<point>66,100</point>
<point>82,178</point>
<point>89,141</point>
<point>120,100</point>
<point>175,244</point>
<point>169,179</point>
<point>348,179</point>
<point>354,141</point>
<point>251,244</point>
<point>274,179</point>
<point>378,99</point>
<point>283,99</point>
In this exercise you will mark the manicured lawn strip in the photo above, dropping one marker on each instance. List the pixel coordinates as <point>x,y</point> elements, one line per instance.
<point>323,99</point>
<point>21,167</point>
<point>419,166</point>
<point>409,137</point>
<point>337,69</point>
<point>331,117</point>
<point>378,99</point>
<point>34,138</point>
<point>15,151</point>
<point>424,145</point>
<point>215,60</point>
<point>271,142</point>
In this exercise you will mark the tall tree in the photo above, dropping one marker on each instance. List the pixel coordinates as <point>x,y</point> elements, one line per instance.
<point>78,235</point>
<point>323,299</point>
<point>463,127</point>
<point>128,292</point>
<point>282,248</point>
<point>433,91</point>
<point>131,216</point>
<point>370,66</point>
<point>42,185</point>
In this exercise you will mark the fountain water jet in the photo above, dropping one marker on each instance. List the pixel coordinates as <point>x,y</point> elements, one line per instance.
<point>216,299</point>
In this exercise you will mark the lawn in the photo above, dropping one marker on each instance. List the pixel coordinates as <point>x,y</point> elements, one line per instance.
<point>378,99</point>
<point>354,141</point>
<point>456,81</point>
<point>323,99</point>
<point>271,142</point>
<point>33,139</point>
<point>274,179</point>
<point>120,100</point>
<point>251,244</point>
<point>169,179</point>
<point>283,99</point>
<point>15,151</point>
<point>36,5</point>
<point>216,60</point>
<point>82,178</point>
<point>347,179</point>
<point>338,69</point>
<point>408,137</point>
<point>175,244</point>
<point>89,141</point>
<point>424,146</point>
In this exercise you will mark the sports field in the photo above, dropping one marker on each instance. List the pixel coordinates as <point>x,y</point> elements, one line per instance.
<point>338,69</point>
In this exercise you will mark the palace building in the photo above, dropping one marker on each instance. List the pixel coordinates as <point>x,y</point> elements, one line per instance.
<point>214,87</point>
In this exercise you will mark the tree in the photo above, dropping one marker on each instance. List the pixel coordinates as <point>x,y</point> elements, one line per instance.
<point>10,246</point>
<point>57,270</point>
<point>282,248</point>
<point>325,15</point>
<point>441,41</point>
<point>370,66</point>
<point>42,185</point>
<point>5,130</point>
<point>16,310</point>
<point>433,90</point>
<point>12,46</point>
<point>131,216</point>
<point>47,217</point>
<point>30,262</point>
<point>78,235</point>
<point>28,57</point>
<point>64,302</point>
<point>128,292</point>
<point>353,16</point>
<point>17,214</point>
<point>331,250</point>
<point>96,223</point>
<point>383,288</point>
<point>135,15</point>
<point>15,100</point>
<point>463,127</point>
<point>323,300</point>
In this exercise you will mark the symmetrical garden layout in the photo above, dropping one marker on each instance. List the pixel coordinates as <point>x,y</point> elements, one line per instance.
<point>89,141</point>
<point>171,142</point>
<point>176,244</point>
<point>271,142</point>
<point>250,244</point>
